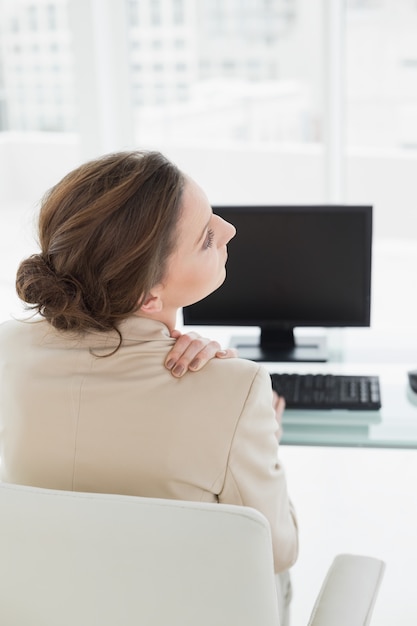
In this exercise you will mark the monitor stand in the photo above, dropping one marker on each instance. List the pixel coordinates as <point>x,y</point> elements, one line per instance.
<point>281,346</point>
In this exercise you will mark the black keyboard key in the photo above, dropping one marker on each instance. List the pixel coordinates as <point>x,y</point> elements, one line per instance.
<point>327,391</point>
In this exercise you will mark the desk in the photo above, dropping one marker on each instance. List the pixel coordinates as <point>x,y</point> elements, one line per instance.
<point>394,426</point>
<point>380,352</point>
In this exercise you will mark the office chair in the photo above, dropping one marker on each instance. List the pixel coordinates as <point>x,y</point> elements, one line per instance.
<point>87,559</point>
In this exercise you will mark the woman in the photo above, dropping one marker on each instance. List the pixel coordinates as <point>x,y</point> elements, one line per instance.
<point>87,400</point>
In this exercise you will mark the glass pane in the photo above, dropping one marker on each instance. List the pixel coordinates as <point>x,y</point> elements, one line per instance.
<point>381,94</point>
<point>382,73</point>
<point>235,70</point>
<point>37,119</point>
<point>232,90</point>
<point>36,86</point>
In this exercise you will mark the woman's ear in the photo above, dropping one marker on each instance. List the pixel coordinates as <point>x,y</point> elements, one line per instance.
<point>151,304</point>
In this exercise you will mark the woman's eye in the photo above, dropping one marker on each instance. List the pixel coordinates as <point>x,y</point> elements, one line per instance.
<point>209,239</point>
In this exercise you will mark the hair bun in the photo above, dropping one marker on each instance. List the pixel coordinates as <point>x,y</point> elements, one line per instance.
<point>32,275</point>
<point>53,296</point>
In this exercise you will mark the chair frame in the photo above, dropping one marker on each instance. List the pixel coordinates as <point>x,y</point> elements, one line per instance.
<point>101,559</point>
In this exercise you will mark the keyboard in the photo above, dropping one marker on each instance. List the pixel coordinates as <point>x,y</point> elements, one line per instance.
<point>326,391</point>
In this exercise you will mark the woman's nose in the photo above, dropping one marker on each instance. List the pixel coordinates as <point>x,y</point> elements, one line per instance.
<point>230,231</point>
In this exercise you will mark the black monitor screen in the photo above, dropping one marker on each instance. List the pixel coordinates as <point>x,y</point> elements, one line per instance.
<point>292,266</point>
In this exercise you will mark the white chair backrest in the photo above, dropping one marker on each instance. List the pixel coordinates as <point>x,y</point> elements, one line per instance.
<point>80,559</point>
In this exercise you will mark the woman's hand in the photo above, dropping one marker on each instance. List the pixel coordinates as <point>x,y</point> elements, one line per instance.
<point>192,352</point>
<point>278,404</point>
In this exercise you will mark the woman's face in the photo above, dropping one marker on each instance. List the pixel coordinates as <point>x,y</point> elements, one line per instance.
<point>197,266</point>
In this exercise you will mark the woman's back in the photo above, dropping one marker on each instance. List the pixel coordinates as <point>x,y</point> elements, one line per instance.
<point>74,418</point>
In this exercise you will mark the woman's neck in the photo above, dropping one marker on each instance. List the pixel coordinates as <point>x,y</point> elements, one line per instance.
<point>164,316</point>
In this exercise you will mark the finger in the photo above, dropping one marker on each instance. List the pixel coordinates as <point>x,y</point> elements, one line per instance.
<point>275,399</point>
<point>278,402</point>
<point>195,358</point>
<point>209,352</point>
<point>191,355</point>
<point>279,409</point>
<point>228,353</point>
<point>181,345</point>
<point>281,404</point>
<point>185,338</point>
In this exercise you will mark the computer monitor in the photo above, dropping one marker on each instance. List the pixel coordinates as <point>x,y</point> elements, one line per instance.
<point>288,267</point>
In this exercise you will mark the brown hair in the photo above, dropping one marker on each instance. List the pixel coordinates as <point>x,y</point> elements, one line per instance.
<point>106,231</point>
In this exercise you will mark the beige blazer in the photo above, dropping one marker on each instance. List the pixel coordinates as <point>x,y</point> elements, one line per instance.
<point>73,417</point>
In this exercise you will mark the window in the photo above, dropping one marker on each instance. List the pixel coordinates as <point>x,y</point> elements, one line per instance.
<point>241,65</point>
<point>33,17</point>
<point>133,12</point>
<point>155,13</point>
<point>51,16</point>
<point>35,45</point>
<point>237,91</point>
<point>381,111</point>
<point>178,11</point>
<point>381,67</point>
